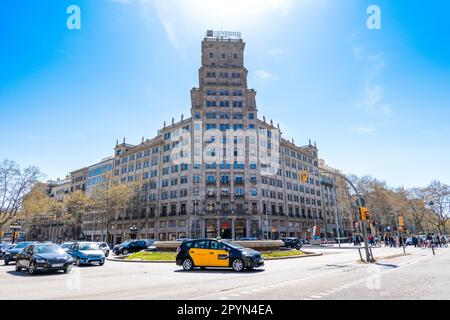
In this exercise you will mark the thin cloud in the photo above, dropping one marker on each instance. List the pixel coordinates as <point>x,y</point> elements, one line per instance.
<point>363,130</point>
<point>372,96</point>
<point>264,76</point>
<point>278,53</point>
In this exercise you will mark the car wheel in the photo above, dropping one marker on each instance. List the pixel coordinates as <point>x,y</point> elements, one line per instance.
<point>6,262</point>
<point>101,263</point>
<point>125,252</point>
<point>18,267</point>
<point>78,262</point>
<point>32,269</point>
<point>107,253</point>
<point>68,269</point>
<point>238,265</point>
<point>188,265</point>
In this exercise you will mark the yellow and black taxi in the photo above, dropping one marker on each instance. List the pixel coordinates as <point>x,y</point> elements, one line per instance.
<point>205,253</point>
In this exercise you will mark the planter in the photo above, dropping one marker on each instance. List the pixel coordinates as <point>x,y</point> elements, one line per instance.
<point>260,245</point>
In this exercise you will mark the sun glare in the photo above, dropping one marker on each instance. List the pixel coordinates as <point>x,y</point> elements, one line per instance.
<point>231,13</point>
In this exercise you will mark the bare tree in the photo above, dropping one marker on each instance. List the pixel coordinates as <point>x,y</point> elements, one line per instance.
<point>15,183</point>
<point>438,198</point>
<point>108,203</point>
<point>76,205</point>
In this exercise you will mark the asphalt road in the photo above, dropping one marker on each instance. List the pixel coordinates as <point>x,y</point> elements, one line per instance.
<point>335,275</point>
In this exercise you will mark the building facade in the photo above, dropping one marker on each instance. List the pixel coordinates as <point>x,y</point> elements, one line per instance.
<point>224,171</point>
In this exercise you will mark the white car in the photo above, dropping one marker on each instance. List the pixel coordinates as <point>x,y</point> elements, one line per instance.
<point>105,248</point>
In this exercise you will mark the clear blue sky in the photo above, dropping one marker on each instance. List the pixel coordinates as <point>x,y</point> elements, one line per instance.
<point>377,102</point>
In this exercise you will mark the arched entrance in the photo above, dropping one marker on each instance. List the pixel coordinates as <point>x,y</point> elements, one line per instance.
<point>240,230</point>
<point>211,230</point>
<point>225,230</point>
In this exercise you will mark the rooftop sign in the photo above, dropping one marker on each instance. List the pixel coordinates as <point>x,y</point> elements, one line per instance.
<point>223,34</point>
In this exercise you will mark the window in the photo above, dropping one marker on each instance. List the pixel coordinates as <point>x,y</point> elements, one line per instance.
<point>224,104</point>
<point>237,104</point>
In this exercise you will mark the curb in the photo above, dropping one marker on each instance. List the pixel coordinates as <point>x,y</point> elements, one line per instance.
<point>307,255</point>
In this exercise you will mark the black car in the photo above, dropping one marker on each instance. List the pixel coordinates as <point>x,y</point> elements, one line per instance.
<point>132,246</point>
<point>43,257</point>
<point>212,253</point>
<point>290,242</point>
<point>10,255</point>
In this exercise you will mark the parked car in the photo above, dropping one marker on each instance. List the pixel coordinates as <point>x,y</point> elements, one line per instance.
<point>66,246</point>
<point>11,254</point>
<point>105,248</point>
<point>132,246</point>
<point>409,242</point>
<point>43,257</point>
<point>342,240</point>
<point>212,253</point>
<point>86,253</point>
<point>3,247</point>
<point>304,241</point>
<point>291,242</point>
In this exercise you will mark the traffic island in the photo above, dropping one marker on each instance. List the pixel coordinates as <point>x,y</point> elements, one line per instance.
<point>167,257</point>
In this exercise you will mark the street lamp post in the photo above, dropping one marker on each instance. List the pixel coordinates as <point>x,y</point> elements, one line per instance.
<point>361,203</point>
<point>14,228</point>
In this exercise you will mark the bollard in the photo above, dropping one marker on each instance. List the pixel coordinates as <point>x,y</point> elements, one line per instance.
<point>360,255</point>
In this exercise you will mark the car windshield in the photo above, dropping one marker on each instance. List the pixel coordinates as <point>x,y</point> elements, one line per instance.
<point>49,249</point>
<point>125,243</point>
<point>88,246</point>
<point>234,245</point>
<point>21,245</point>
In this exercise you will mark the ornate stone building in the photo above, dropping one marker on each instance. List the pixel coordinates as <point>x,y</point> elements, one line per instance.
<point>224,171</point>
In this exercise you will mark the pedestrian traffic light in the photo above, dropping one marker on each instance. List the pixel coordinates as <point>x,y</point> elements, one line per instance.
<point>363,212</point>
<point>304,176</point>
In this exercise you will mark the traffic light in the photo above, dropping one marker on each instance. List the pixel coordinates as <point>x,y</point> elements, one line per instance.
<point>304,176</point>
<point>401,222</point>
<point>364,213</point>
